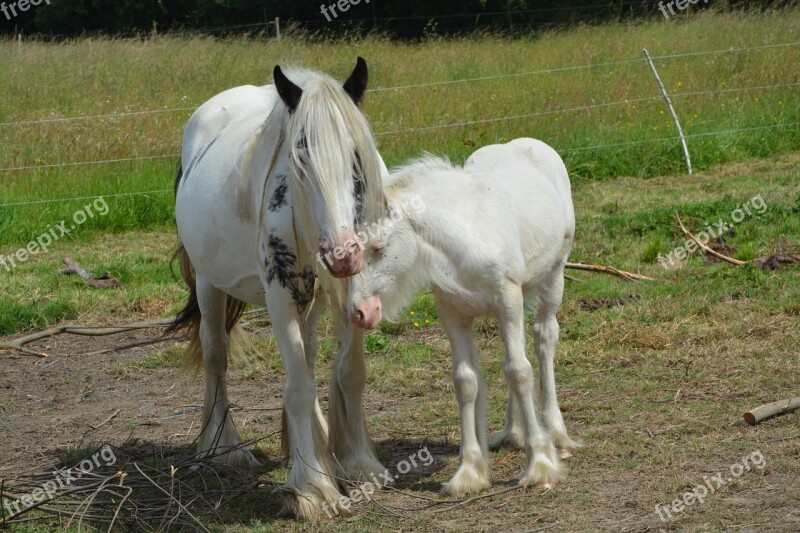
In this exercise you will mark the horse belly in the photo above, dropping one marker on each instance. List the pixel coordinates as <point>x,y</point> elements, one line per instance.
<point>223,248</point>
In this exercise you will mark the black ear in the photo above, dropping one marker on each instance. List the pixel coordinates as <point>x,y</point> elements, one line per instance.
<point>288,91</point>
<point>356,84</point>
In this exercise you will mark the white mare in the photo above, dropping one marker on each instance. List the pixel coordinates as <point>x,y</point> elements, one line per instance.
<point>493,238</point>
<point>270,177</point>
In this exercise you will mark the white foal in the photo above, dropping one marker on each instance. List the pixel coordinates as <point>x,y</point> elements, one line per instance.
<point>493,237</point>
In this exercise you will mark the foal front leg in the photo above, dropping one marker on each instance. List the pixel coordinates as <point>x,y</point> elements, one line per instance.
<point>473,472</point>
<point>543,467</point>
<point>348,436</point>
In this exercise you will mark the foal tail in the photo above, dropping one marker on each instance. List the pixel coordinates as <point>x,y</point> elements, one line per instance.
<point>188,319</point>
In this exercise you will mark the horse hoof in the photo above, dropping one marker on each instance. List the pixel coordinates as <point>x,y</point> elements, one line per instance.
<point>565,453</point>
<point>545,486</point>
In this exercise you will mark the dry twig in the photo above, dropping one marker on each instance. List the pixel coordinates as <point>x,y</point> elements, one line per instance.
<point>610,270</point>
<point>705,247</point>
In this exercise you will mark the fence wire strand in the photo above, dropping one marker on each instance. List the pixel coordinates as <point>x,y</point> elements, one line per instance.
<point>431,84</point>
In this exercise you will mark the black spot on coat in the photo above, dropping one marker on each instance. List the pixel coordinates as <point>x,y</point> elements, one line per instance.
<point>278,199</point>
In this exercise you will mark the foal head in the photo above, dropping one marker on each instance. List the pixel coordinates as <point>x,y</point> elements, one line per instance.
<point>392,273</point>
<point>334,166</point>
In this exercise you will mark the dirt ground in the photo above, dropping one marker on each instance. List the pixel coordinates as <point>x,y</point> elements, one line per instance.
<point>53,405</point>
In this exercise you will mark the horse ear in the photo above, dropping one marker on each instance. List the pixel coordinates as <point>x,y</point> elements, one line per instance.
<point>356,84</point>
<point>288,91</point>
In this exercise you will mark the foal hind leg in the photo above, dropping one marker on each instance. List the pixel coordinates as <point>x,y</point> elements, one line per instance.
<point>545,330</point>
<point>543,467</point>
<point>473,472</point>
<point>512,435</point>
<point>219,438</point>
<point>349,439</point>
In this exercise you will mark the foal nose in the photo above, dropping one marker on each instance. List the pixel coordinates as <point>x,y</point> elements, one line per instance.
<point>366,313</point>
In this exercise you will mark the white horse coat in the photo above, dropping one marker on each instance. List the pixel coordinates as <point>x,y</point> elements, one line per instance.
<point>274,183</point>
<point>493,236</point>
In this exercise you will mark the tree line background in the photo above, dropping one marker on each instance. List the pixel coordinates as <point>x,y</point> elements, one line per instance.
<point>397,18</point>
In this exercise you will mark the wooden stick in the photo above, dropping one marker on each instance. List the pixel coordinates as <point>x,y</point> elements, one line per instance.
<point>91,331</point>
<point>103,282</point>
<point>754,416</point>
<point>106,421</point>
<point>610,270</point>
<point>705,248</point>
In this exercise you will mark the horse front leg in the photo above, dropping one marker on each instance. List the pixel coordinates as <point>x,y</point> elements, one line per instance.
<point>310,343</point>
<point>348,438</point>
<point>310,488</point>
<point>219,438</point>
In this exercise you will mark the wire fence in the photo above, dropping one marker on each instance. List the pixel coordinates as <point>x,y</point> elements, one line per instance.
<point>556,70</point>
<point>433,127</point>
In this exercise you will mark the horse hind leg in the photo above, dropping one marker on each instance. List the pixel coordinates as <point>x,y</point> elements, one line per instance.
<point>546,331</point>
<point>219,438</point>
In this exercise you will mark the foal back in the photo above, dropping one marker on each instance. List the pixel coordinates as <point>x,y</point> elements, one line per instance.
<point>527,189</point>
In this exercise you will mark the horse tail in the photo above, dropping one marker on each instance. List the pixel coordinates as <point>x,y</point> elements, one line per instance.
<point>188,319</point>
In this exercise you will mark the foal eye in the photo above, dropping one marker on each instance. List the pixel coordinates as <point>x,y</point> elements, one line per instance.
<point>379,248</point>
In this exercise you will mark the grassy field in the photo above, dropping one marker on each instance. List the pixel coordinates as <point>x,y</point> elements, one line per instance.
<point>652,376</point>
<point>99,76</point>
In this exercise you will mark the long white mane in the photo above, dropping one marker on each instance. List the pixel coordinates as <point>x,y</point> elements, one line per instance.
<point>340,147</point>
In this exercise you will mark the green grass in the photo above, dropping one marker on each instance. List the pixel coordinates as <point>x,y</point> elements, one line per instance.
<point>102,76</point>
<point>652,376</point>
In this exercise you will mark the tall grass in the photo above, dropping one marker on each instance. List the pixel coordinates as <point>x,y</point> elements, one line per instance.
<point>104,76</point>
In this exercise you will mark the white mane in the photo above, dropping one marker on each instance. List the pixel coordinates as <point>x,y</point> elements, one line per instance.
<point>403,176</point>
<point>334,131</point>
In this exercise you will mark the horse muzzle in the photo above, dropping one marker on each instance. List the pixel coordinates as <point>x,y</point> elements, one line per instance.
<point>342,260</point>
<point>366,312</point>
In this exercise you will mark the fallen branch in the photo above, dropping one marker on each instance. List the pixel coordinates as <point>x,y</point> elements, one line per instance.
<point>106,281</point>
<point>610,270</point>
<point>774,262</point>
<point>106,421</point>
<point>91,331</point>
<point>706,248</point>
<point>754,416</point>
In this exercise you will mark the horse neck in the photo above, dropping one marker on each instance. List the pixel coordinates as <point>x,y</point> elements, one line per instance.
<point>433,265</point>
